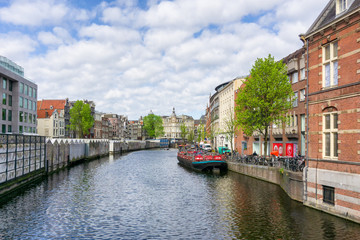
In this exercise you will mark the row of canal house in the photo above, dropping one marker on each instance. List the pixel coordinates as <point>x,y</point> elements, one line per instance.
<point>325,118</point>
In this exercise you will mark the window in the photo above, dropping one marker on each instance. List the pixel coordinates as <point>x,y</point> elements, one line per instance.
<point>10,86</point>
<point>21,89</point>
<point>295,77</point>
<point>26,90</point>
<point>302,95</point>
<point>25,103</point>
<point>21,102</point>
<point>330,135</point>
<point>34,106</point>
<point>295,103</point>
<point>4,114</point>
<point>4,99</point>
<point>26,117</point>
<point>30,105</point>
<point>21,116</point>
<point>302,74</point>
<point>34,92</point>
<point>30,91</point>
<point>330,65</point>
<point>30,118</point>
<point>20,129</point>
<point>9,128</point>
<point>343,5</point>
<point>3,128</point>
<point>328,195</point>
<point>9,115</point>
<point>4,83</point>
<point>10,100</point>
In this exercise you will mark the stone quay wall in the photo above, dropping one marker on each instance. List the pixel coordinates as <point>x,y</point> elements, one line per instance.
<point>63,152</point>
<point>24,159</point>
<point>291,182</point>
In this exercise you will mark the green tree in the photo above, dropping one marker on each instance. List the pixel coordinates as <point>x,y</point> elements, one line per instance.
<point>266,97</point>
<point>80,118</point>
<point>212,134</point>
<point>191,136</point>
<point>153,125</point>
<point>230,128</point>
<point>183,132</point>
<point>200,133</point>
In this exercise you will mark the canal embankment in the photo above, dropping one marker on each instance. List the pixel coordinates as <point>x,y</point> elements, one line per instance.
<point>25,159</point>
<point>291,182</point>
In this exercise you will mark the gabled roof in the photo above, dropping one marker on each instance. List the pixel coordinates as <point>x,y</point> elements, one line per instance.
<point>328,15</point>
<point>49,106</point>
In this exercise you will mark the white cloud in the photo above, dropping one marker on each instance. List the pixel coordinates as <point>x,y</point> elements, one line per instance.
<point>130,61</point>
<point>33,13</point>
<point>16,45</point>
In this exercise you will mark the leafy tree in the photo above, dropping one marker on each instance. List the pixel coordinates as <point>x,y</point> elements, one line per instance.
<point>183,131</point>
<point>230,128</point>
<point>212,133</point>
<point>190,136</point>
<point>200,133</point>
<point>266,97</point>
<point>80,118</point>
<point>153,125</point>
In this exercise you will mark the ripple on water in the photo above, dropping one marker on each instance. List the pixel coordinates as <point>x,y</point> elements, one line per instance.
<point>147,195</point>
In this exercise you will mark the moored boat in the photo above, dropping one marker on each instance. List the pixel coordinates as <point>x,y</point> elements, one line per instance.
<point>201,161</point>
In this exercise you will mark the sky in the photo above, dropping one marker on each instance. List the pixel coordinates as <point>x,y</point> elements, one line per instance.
<point>135,56</point>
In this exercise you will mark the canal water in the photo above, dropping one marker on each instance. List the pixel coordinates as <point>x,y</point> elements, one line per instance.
<point>147,195</point>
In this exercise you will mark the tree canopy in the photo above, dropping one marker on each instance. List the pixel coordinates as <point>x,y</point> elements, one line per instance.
<point>80,118</point>
<point>230,129</point>
<point>266,97</point>
<point>200,133</point>
<point>183,132</point>
<point>153,125</point>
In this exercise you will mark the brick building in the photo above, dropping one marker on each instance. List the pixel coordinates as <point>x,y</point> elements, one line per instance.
<point>333,176</point>
<point>51,118</point>
<point>287,138</point>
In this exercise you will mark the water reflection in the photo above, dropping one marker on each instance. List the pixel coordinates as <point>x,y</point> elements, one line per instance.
<point>147,195</point>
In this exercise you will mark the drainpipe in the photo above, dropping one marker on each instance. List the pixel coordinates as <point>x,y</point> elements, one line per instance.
<point>307,118</point>
<point>306,41</point>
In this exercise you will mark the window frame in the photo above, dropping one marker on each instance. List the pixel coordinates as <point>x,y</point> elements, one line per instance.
<point>328,195</point>
<point>296,99</point>
<point>4,83</point>
<point>302,93</point>
<point>331,62</point>
<point>295,76</point>
<point>302,74</point>
<point>330,135</point>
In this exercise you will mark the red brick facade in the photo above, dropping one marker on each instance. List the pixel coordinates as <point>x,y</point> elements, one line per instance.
<point>334,161</point>
<point>329,118</point>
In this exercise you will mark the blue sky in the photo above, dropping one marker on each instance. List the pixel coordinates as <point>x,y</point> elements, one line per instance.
<point>133,56</point>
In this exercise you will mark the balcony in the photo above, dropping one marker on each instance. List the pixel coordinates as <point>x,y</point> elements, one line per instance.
<point>291,130</point>
<point>292,65</point>
<point>256,134</point>
<point>277,131</point>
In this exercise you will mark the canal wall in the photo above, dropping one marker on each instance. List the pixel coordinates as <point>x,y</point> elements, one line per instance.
<point>64,152</point>
<point>291,182</point>
<point>24,159</point>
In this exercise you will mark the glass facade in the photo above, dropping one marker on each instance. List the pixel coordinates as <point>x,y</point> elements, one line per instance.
<point>15,89</point>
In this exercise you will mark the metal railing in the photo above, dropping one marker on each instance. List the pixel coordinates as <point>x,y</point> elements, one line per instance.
<point>20,155</point>
<point>295,164</point>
